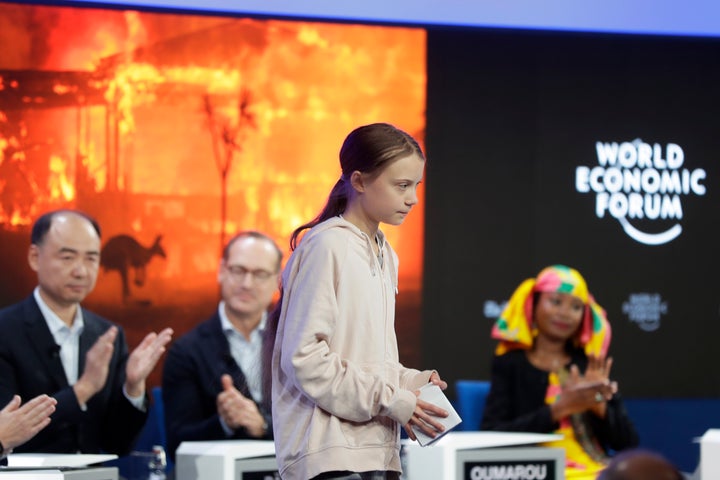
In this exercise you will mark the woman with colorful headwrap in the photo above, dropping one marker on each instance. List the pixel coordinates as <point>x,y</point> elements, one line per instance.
<point>550,373</point>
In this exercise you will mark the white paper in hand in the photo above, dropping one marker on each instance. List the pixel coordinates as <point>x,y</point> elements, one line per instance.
<point>431,393</point>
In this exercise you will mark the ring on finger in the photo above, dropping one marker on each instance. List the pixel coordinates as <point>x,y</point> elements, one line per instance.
<point>599,397</point>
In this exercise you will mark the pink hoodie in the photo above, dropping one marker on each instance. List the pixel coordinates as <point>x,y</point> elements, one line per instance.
<point>339,393</point>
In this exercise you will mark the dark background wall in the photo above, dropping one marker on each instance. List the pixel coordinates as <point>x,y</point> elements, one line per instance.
<point>510,117</point>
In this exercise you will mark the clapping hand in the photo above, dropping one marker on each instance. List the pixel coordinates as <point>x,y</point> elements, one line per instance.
<point>588,392</point>
<point>18,424</point>
<point>238,411</point>
<point>143,359</point>
<point>97,364</point>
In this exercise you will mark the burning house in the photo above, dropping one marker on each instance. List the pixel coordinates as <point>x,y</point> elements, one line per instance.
<point>189,127</point>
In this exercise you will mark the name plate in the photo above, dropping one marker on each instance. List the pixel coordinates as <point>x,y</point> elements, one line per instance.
<point>268,475</point>
<point>510,470</point>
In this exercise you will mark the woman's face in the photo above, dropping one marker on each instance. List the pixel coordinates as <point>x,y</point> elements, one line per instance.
<point>558,315</point>
<point>389,197</point>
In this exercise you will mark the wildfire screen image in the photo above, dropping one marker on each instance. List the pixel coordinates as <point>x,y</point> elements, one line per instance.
<point>176,131</point>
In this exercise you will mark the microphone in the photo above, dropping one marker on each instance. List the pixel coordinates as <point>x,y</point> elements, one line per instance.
<point>54,351</point>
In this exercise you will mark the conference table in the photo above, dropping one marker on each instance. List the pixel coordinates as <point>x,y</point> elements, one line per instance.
<point>455,456</point>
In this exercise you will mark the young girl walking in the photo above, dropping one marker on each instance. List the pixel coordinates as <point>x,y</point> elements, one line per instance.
<point>339,393</point>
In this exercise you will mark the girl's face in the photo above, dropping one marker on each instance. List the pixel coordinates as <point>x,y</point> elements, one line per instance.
<point>558,315</point>
<point>390,196</point>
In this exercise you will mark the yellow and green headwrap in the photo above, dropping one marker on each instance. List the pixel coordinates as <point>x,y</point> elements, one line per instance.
<point>514,328</point>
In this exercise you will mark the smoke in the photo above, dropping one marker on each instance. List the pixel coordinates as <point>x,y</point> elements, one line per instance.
<point>17,36</point>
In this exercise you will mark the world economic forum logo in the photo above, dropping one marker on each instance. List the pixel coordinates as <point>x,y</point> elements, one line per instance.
<point>637,181</point>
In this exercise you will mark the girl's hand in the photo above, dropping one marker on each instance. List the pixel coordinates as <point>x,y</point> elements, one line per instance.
<point>424,419</point>
<point>436,380</point>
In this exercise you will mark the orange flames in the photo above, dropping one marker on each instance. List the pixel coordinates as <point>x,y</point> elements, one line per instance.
<point>145,154</point>
<point>59,184</point>
<point>183,127</point>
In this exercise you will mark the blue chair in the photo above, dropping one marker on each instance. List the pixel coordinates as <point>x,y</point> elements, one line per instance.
<point>134,466</point>
<point>670,425</point>
<point>470,402</point>
<point>157,414</point>
<point>153,433</point>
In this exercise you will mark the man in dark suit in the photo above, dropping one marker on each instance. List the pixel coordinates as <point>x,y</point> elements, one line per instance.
<point>212,377</point>
<point>50,345</point>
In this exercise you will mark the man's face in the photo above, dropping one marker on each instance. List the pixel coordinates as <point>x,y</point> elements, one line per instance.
<point>249,277</point>
<point>67,260</point>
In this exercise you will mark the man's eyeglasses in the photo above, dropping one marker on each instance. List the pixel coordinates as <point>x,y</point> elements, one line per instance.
<point>238,273</point>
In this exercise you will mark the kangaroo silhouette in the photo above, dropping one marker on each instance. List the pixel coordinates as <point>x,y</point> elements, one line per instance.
<point>123,253</point>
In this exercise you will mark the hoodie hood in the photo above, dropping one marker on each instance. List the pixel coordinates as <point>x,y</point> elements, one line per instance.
<point>388,253</point>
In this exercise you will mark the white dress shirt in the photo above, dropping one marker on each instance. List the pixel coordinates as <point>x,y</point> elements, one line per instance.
<point>68,339</point>
<point>246,353</point>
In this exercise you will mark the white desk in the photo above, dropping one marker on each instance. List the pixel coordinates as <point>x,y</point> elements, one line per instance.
<point>484,455</point>
<point>456,456</point>
<point>58,466</point>
<point>226,460</point>
<point>710,454</point>
<point>90,473</point>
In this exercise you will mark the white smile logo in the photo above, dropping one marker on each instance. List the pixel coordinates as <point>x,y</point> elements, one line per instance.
<point>636,180</point>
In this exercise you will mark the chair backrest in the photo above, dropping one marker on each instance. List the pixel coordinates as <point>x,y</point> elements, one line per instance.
<point>153,433</point>
<point>158,410</point>
<point>471,396</point>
